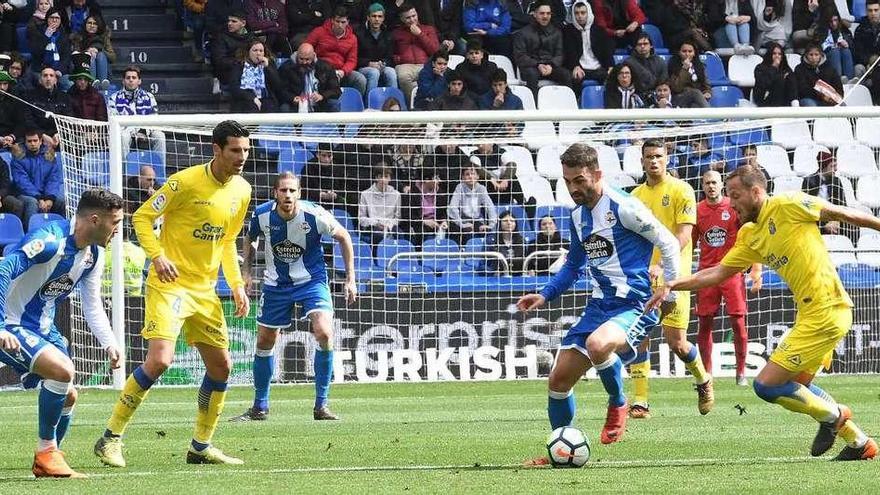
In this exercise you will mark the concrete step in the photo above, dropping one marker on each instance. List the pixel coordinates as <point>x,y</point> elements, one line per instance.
<point>126,21</point>
<point>155,70</point>
<point>175,103</point>
<point>154,55</point>
<point>178,85</point>
<point>153,38</point>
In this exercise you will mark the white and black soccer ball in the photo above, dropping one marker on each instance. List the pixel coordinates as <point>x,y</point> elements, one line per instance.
<point>568,447</point>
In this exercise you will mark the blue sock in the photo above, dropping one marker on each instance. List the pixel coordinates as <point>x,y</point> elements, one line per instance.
<point>142,378</point>
<point>323,376</point>
<point>610,372</point>
<point>199,446</point>
<point>821,393</point>
<point>641,357</point>
<point>691,355</point>
<point>63,424</point>
<point>264,365</point>
<point>560,408</point>
<point>50,403</point>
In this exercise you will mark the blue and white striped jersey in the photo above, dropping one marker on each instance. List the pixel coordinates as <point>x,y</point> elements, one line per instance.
<point>615,241</point>
<point>294,254</point>
<point>43,270</point>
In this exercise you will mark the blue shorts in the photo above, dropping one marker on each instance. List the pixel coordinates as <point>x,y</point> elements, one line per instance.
<point>32,344</point>
<point>626,315</point>
<point>276,303</point>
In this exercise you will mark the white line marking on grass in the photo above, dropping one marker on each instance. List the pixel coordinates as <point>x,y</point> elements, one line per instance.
<point>613,464</point>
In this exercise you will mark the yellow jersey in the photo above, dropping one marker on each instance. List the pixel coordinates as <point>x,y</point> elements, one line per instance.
<point>202,220</point>
<point>786,238</point>
<point>674,203</point>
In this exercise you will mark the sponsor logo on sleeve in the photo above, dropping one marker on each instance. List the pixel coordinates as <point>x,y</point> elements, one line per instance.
<point>159,202</point>
<point>33,248</point>
<point>173,185</point>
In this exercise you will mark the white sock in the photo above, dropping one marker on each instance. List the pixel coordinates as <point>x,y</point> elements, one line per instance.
<point>46,444</point>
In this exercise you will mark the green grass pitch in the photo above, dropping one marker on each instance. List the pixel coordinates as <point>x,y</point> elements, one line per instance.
<point>450,438</point>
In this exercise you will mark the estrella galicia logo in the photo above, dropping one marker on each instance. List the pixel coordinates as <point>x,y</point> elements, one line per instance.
<point>665,200</point>
<point>287,251</point>
<point>56,288</point>
<point>716,236</point>
<point>598,249</point>
<point>771,225</point>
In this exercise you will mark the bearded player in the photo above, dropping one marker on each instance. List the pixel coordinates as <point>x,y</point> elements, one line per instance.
<point>782,233</point>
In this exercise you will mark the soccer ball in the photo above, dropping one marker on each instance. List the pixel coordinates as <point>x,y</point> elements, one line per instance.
<point>568,447</point>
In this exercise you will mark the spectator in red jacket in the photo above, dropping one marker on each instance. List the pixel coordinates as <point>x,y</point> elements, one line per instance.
<point>621,19</point>
<point>268,18</point>
<point>86,102</point>
<point>336,44</point>
<point>414,44</point>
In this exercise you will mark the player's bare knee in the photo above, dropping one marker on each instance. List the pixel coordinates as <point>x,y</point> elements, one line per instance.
<point>72,395</point>
<point>157,364</point>
<point>598,349</point>
<point>220,370</point>
<point>62,371</point>
<point>266,338</point>
<point>323,331</point>
<point>558,384</point>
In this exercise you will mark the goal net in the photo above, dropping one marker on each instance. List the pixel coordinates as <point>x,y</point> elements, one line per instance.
<point>436,297</point>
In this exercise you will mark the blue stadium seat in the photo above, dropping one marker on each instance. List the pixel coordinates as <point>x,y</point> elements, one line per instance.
<point>619,58</point>
<point>725,96</point>
<point>593,97</point>
<point>37,221</point>
<point>21,41</point>
<point>364,267</point>
<point>475,245</point>
<point>11,230</point>
<point>135,159</point>
<point>343,218</point>
<point>715,72</point>
<point>656,38</point>
<point>324,132</point>
<point>859,10</point>
<point>351,100</point>
<point>388,248</point>
<point>441,265</point>
<point>293,159</point>
<point>749,136</point>
<point>378,96</point>
<point>561,214</point>
<point>8,249</point>
<point>96,168</point>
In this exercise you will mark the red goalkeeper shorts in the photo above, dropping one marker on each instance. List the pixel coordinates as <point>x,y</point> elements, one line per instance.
<point>733,290</point>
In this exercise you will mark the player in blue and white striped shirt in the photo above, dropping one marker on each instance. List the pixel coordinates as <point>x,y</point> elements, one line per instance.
<point>38,274</point>
<point>614,235</point>
<point>295,273</point>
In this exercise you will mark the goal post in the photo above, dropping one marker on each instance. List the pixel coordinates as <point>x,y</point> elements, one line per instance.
<point>439,307</point>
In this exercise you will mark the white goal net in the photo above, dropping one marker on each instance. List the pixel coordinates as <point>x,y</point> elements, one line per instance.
<point>437,303</point>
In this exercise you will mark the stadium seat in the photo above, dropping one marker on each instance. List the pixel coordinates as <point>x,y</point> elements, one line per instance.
<point>714,69</point>
<point>787,183</point>
<point>38,220</point>
<point>475,245</point>
<point>774,159</point>
<point>656,38</point>
<point>293,159</point>
<point>832,131</point>
<point>632,161</point>
<point>561,214</point>
<point>525,164</point>
<point>21,41</point>
<point>525,94</point>
<point>725,96</point>
<point>868,250</point>
<point>868,190</point>
<point>563,197</point>
<point>96,168</point>
<point>855,160</point>
<point>344,219</point>
<point>535,186</point>
<point>621,181</point>
<point>556,98</point>
<point>11,230</point>
<point>804,162</point>
<point>609,160</point>
<point>441,265</point>
<point>454,60</point>
<point>868,131</point>
<point>849,193</point>
<point>377,97</point>
<point>593,97</point>
<point>389,247</point>
<point>856,95</point>
<point>363,260</point>
<point>748,136</point>
<point>859,9</point>
<point>135,159</point>
<point>791,134</point>
<point>793,60</point>
<point>519,213</point>
<point>741,69</point>
<point>844,12</point>
<point>351,100</point>
<point>619,58</point>
<point>506,65</point>
<point>840,248</point>
<point>547,164</point>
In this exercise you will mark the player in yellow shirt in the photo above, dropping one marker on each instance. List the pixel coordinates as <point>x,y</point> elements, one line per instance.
<point>781,232</point>
<point>203,208</point>
<point>674,203</point>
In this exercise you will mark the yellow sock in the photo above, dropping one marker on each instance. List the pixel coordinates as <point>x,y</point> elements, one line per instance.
<point>696,368</point>
<point>639,373</point>
<point>133,393</point>
<point>852,434</point>
<point>212,397</point>
<point>798,398</point>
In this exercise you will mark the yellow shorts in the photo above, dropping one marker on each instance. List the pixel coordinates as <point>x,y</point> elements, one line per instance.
<point>681,314</point>
<point>172,308</point>
<point>810,343</point>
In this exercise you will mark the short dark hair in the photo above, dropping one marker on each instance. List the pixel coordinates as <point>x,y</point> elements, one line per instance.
<point>645,36</point>
<point>871,2</point>
<point>406,7</point>
<point>98,199</point>
<point>499,75</point>
<point>227,129</point>
<point>652,143</point>
<point>284,176</point>
<point>580,155</point>
<point>340,11</point>
<point>441,53</point>
<point>540,3</point>
<point>132,68</point>
<point>382,171</point>
<point>812,46</point>
<point>749,176</point>
<point>665,82</point>
<point>32,131</point>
